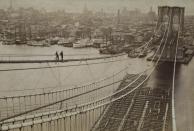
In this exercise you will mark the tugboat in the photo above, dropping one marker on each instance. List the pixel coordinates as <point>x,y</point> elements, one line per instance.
<point>142,55</point>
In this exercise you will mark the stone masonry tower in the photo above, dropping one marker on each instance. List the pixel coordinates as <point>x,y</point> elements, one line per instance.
<point>171,12</point>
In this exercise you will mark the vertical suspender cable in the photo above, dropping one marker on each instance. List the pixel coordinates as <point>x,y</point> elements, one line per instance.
<point>70,123</point>
<point>53,100</point>
<point>75,126</point>
<point>7,107</point>
<point>86,121</point>
<point>64,123</point>
<point>19,104</point>
<point>13,105</point>
<point>57,124</point>
<point>30,102</point>
<point>49,126</point>
<point>81,122</point>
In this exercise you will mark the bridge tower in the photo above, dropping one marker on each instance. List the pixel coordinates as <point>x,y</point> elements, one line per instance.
<point>175,13</point>
<point>173,18</point>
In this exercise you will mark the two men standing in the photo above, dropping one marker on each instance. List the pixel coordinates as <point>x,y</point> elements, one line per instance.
<point>57,55</point>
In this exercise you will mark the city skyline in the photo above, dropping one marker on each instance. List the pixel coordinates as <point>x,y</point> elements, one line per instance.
<point>108,5</point>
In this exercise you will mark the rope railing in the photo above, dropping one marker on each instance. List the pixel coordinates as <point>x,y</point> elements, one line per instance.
<point>25,61</point>
<point>62,66</point>
<point>39,55</point>
<point>13,58</point>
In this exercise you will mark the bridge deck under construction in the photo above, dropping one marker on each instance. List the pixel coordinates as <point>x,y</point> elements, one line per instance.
<point>15,61</point>
<point>145,109</point>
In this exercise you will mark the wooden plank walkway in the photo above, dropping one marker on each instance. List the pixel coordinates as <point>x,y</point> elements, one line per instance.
<point>56,61</point>
<point>143,110</point>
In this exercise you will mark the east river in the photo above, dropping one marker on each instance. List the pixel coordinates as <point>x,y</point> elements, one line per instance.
<point>15,82</point>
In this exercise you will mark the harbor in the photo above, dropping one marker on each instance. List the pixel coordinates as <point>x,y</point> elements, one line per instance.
<point>96,66</point>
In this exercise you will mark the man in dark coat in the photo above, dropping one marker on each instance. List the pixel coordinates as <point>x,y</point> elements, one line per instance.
<point>61,54</point>
<point>57,56</point>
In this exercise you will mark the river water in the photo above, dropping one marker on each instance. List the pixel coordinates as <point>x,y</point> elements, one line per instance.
<point>184,92</point>
<point>16,82</point>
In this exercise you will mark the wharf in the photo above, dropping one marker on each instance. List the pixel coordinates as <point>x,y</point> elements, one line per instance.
<point>184,60</point>
<point>145,109</point>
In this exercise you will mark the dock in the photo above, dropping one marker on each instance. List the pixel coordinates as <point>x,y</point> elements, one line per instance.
<point>184,60</point>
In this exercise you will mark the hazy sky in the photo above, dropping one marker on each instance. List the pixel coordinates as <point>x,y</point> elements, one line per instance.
<point>107,5</point>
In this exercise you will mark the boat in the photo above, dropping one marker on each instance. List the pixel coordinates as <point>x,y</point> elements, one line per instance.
<point>104,51</point>
<point>54,41</point>
<point>42,43</point>
<point>133,54</point>
<point>19,42</point>
<point>83,43</point>
<point>66,42</point>
<point>142,55</point>
<point>61,41</point>
<point>111,49</point>
<point>8,42</point>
